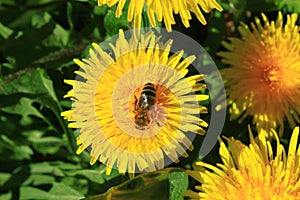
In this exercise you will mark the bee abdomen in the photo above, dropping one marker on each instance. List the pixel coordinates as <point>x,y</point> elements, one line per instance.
<point>149,90</point>
<point>148,96</point>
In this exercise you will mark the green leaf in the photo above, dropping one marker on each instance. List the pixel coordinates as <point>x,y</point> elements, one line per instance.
<point>27,192</point>
<point>113,24</point>
<point>34,193</point>
<point>33,81</point>
<point>81,185</point>
<point>39,179</point>
<point>65,166</point>
<point>100,10</point>
<point>37,82</point>
<point>47,145</point>
<point>178,184</point>
<point>17,44</point>
<point>45,168</point>
<point>5,32</point>
<point>25,109</point>
<point>92,175</point>
<point>59,38</point>
<point>148,186</point>
<point>57,168</point>
<point>290,6</point>
<point>40,90</point>
<point>13,149</point>
<point>63,190</point>
<point>40,20</point>
<point>69,14</point>
<point>7,196</point>
<point>4,177</point>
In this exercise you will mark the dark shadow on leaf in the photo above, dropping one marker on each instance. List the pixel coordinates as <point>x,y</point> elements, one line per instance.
<point>14,183</point>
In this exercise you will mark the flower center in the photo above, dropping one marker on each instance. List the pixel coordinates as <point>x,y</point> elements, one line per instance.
<point>272,76</point>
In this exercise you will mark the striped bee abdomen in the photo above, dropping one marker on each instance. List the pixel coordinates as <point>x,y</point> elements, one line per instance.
<point>148,96</point>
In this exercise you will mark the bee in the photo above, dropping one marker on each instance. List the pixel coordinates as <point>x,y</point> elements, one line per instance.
<point>144,106</point>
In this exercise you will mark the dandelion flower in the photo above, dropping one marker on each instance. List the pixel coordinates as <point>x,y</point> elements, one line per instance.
<point>263,80</point>
<point>106,101</point>
<point>251,172</point>
<point>162,10</point>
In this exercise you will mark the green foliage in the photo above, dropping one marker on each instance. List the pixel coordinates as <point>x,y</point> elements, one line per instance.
<point>178,184</point>
<point>38,40</point>
<point>169,183</point>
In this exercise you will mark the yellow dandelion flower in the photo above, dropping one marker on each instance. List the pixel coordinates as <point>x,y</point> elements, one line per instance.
<point>251,172</point>
<point>135,105</point>
<point>163,10</point>
<point>263,80</point>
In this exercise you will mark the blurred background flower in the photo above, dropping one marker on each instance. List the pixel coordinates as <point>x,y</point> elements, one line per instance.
<point>105,104</point>
<point>163,10</point>
<point>263,78</point>
<point>250,172</point>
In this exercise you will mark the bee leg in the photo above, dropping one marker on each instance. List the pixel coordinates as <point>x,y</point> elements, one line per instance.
<point>155,119</point>
<point>158,123</point>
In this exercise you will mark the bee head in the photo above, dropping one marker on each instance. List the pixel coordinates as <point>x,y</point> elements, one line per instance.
<point>141,122</point>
